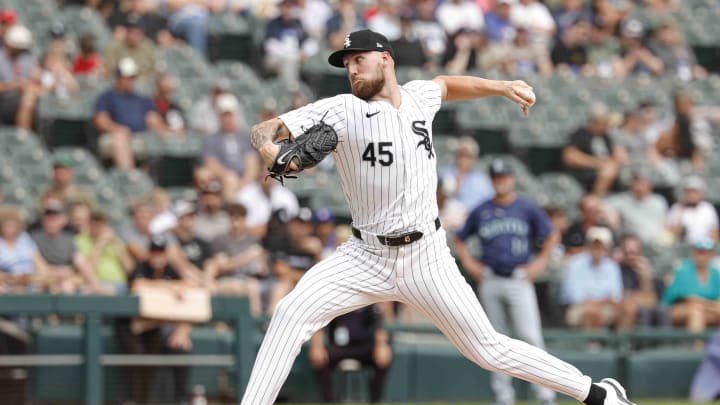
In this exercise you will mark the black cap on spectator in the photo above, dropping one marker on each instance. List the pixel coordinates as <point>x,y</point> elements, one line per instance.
<point>57,30</point>
<point>158,243</point>
<point>361,41</point>
<point>500,167</point>
<point>132,21</point>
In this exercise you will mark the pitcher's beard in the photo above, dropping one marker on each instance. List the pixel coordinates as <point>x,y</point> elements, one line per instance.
<point>366,89</point>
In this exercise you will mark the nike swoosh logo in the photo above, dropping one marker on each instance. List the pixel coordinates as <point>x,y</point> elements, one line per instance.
<point>280,158</point>
<point>367,114</point>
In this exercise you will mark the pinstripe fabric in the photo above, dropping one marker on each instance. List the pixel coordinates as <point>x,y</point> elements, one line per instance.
<point>386,199</point>
<point>422,275</point>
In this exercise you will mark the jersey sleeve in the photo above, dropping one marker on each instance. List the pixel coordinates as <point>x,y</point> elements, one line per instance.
<point>330,110</point>
<point>428,93</point>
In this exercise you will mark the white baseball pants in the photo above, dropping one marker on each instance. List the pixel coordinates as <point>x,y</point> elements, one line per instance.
<point>423,275</point>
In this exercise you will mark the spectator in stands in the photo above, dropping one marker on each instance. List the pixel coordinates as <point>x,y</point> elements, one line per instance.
<point>465,51</point>
<point>287,44</point>
<point>62,182</point>
<point>570,51</point>
<point>518,57</point>
<point>19,84</point>
<point>228,153</point>
<point>204,114</point>
<point>386,18</point>
<point>325,228</point>
<point>212,220</point>
<point>197,251</point>
<point>455,15</point>
<point>692,218</point>
<point>78,218</point>
<point>640,301</point>
<point>58,249</point>
<point>314,15</point>
<point>603,52</point>
<point>356,335</point>
<point>636,57</point>
<point>570,12</point>
<point>20,259</point>
<point>592,286</point>
<point>120,112</point>
<point>56,77</point>
<point>141,336</point>
<point>677,57</point>
<point>344,20</point>
<point>631,137</point>
<point>264,197</point>
<point>683,140</point>
<point>137,236</point>
<point>88,61</point>
<point>409,50</point>
<point>592,156</point>
<point>429,32</point>
<point>470,186</point>
<point>536,17</point>
<point>135,46</point>
<point>592,214</point>
<point>498,27</point>
<point>152,24</point>
<point>295,257</point>
<point>106,254</point>
<point>187,20</point>
<point>241,261</point>
<point>170,112</point>
<point>693,296</point>
<point>58,49</point>
<point>641,211</point>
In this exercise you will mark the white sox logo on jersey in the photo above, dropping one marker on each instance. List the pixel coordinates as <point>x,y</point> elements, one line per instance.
<point>418,128</point>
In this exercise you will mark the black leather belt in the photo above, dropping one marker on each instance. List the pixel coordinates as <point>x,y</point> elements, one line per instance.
<point>397,240</point>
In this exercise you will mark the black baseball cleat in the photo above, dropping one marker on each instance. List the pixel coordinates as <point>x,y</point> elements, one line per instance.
<point>614,392</point>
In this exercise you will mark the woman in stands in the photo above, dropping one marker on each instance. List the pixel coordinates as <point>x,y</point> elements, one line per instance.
<point>694,294</point>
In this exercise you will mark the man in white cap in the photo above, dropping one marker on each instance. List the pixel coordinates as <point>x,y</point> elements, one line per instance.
<point>228,152</point>
<point>592,287</point>
<point>120,112</point>
<point>18,90</point>
<point>692,218</point>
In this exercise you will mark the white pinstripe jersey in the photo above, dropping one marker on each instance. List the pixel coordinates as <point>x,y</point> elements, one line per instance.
<point>385,157</point>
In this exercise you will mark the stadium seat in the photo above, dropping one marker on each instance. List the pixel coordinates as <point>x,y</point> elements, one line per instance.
<point>133,184</point>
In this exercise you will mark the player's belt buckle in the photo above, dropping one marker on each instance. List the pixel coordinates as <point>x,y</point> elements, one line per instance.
<point>400,240</point>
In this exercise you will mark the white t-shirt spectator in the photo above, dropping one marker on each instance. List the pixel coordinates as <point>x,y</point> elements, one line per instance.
<point>260,207</point>
<point>697,222</point>
<point>314,16</point>
<point>454,16</point>
<point>535,16</point>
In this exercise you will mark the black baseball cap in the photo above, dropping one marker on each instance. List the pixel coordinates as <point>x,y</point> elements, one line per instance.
<point>361,41</point>
<point>500,167</point>
<point>158,243</point>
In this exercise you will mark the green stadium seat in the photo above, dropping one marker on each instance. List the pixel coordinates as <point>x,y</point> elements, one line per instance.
<point>132,184</point>
<point>661,373</point>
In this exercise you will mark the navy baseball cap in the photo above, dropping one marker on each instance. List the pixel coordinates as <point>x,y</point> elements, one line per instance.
<point>361,41</point>
<point>500,167</point>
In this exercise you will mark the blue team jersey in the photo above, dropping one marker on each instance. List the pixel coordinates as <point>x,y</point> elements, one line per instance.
<point>506,233</point>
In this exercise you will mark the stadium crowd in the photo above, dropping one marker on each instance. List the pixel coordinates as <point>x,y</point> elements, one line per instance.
<point>243,234</point>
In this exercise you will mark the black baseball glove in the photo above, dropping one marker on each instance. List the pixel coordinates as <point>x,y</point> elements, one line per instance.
<point>306,151</point>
